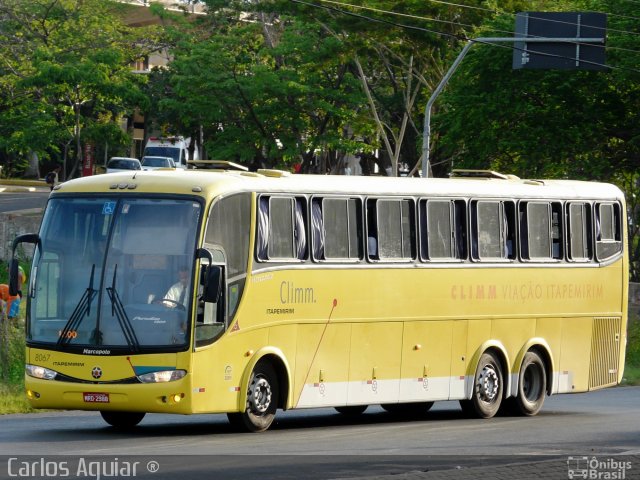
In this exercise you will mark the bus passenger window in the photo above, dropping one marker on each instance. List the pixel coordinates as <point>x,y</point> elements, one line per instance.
<point>317,229</point>
<point>281,229</point>
<point>372,231</point>
<point>489,231</point>
<point>579,232</point>
<point>510,229</point>
<point>608,230</point>
<point>557,251</point>
<point>536,228</point>
<point>395,220</point>
<point>439,231</point>
<point>493,230</point>
<point>336,228</point>
<point>443,229</point>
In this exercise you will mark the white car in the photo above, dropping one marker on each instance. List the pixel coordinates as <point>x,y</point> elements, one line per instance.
<point>123,164</point>
<point>151,162</point>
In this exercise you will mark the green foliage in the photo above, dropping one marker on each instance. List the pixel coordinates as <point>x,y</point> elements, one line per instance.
<point>562,124</point>
<point>270,102</point>
<point>632,360</point>
<point>12,369</point>
<point>66,68</point>
<point>13,400</point>
<point>633,342</point>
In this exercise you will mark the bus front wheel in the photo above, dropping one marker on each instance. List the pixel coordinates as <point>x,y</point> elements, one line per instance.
<point>122,419</point>
<point>488,387</point>
<point>262,400</point>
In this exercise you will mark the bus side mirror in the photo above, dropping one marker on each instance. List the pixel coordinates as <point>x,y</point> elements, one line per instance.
<point>211,279</point>
<point>14,272</point>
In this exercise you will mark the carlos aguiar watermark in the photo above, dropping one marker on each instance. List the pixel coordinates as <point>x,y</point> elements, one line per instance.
<point>94,468</point>
<point>594,468</point>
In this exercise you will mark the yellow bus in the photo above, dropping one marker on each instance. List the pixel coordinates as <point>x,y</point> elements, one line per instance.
<point>213,291</point>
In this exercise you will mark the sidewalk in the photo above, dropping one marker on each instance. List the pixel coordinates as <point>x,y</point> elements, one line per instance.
<point>17,185</point>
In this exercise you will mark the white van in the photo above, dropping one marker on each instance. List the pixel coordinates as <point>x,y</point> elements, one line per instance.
<point>175,147</point>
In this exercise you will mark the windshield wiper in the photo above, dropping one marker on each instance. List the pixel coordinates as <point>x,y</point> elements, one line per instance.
<point>117,309</point>
<point>83,308</point>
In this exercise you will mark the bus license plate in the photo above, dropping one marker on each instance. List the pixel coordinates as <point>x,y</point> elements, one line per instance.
<point>92,397</point>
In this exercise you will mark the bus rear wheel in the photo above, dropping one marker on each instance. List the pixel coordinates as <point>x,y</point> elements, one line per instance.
<point>262,400</point>
<point>488,387</point>
<point>532,385</point>
<point>122,419</point>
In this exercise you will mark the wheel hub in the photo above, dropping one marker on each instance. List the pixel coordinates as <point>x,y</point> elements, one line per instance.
<point>259,395</point>
<point>488,384</point>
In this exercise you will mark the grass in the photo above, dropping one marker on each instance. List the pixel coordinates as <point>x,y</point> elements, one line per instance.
<point>13,400</point>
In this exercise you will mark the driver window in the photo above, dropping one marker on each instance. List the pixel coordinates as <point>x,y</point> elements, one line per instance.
<point>210,314</point>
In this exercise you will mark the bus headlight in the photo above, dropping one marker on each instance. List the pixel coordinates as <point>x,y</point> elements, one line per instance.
<point>162,376</point>
<point>40,372</point>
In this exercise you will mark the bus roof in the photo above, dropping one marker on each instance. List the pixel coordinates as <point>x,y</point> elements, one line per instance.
<point>210,183</point>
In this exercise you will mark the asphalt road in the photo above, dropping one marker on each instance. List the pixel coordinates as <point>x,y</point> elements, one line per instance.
<point>15,201</point>
<point>324,444</point>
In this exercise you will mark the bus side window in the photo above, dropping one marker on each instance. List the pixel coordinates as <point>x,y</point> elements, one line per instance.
<point>489,228</point>
<point>443,229</point>
<point>282,230</point>
<point>395,222</point>
<point>510,229</point>
<point>557,245</point>
<point>300,230</point>
<point>541,231</point>
<point>579,244</point>
<point>372,231</point>
<point>317,229</point>
<point>336,226</point>
<point>608,230</point>
<point>460,228</point>
<point>536,228</point>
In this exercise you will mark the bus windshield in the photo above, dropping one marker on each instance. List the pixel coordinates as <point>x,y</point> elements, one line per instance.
<point>114,272</point>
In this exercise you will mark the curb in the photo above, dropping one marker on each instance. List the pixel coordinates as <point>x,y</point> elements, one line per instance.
<point>17,189</point>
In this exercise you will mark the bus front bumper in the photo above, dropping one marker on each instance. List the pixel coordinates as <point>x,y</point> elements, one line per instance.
<point>169,397</point>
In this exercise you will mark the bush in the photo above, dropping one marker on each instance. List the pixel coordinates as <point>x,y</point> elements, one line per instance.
<point>12,364</point>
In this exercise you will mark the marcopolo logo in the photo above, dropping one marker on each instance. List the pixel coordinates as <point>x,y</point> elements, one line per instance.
<point>597,468</point>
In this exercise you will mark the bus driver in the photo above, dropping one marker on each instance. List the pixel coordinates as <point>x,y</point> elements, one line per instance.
<point>177,293</point>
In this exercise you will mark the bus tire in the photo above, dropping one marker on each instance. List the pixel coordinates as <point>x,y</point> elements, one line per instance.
<point>488,388</point>
<point>262,400</point>
<point>351,410</point>
<point>532,385</point>
<point>122,419</point>
<point>414,409</point>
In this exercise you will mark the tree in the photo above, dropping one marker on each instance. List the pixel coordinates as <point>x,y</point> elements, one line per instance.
<point>265,96</point>
<point>66,66</point>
